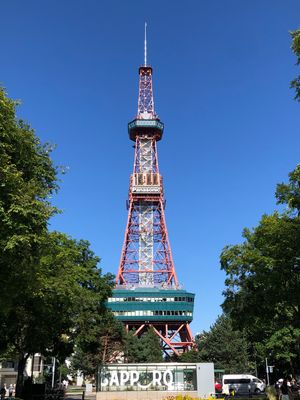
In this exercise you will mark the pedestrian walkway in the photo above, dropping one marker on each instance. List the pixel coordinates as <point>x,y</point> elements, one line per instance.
<point>80,395</point>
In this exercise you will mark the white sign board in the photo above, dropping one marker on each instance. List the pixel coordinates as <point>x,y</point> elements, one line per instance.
<point>132,378</point>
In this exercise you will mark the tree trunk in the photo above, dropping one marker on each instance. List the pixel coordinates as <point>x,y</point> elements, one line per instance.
<point>104,349</point>
<point>20,379</point>
<point>102,362</point>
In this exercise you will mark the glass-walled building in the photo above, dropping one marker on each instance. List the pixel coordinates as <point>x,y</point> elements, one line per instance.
<point>136,304</point>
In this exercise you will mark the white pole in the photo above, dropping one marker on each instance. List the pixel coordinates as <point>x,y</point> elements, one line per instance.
<point>267,370</point>
<point>53,371</point>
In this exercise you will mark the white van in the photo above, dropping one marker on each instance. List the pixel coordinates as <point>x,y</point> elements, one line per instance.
<point>242,383</point>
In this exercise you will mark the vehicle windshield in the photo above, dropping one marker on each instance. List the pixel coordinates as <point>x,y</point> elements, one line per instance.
<point>235,381</point>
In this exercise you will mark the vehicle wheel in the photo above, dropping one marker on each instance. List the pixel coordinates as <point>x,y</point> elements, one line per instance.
<point>257,391</point>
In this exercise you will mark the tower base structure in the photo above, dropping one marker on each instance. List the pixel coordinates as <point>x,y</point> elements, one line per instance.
<point>167,311</point>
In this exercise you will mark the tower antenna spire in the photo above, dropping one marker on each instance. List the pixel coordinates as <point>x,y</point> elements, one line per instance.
<point>145,46</point>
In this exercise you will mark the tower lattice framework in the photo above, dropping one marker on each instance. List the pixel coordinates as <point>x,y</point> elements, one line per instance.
<point>146,257</point>
<point>147,292</point>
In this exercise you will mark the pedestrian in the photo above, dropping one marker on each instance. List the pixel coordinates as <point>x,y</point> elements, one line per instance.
<point>277,388</point>
<point>2,392</point>
<point>284,390</point>
<point>292,387</point>
<point>10,390</point>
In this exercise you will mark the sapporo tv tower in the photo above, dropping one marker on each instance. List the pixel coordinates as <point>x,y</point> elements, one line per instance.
<point>147,293</point>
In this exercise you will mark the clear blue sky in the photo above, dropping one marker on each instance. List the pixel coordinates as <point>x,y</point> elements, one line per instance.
<point>221,83</point>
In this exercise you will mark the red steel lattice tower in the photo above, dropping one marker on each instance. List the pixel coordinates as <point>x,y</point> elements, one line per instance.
<point>147,291</point>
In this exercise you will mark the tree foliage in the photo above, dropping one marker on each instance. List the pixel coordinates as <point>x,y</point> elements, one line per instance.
<point>295,84</point>
<point>226,347</point>
<point>289,193</point>
<point>100,341</point>
<point>132,347</point>
<point>143,349</point>
<point>27,179</point>
<point>262,292</point>
<point>150,347</point>
<point>51,287</point>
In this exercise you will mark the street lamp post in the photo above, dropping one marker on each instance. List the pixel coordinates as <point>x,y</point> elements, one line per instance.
<point>267,371</point>
<point>53,371</point>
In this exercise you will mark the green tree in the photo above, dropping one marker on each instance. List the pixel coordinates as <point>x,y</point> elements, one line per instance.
<point>262,292</point>
<point>132,348</point>
<point>51,287</point>
<point>143,349</point>
<point>191,356</point>
<point>27,178</point>
<point>100,341</point>
<point>295,84</point>
<point>289,194</point>
<point>226,347</point>
<point>150,348</point>
<point>66,295</point>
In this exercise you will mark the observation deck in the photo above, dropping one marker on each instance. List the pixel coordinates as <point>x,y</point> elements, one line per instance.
<point>145,127</point>
<point>142,304</point>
